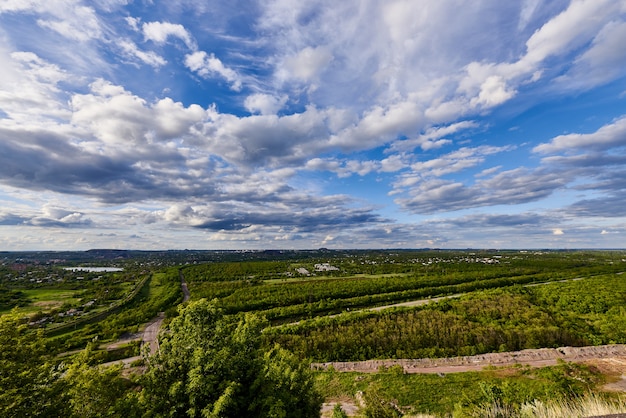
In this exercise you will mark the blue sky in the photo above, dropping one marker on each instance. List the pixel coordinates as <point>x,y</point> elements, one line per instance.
<point>289,124</point>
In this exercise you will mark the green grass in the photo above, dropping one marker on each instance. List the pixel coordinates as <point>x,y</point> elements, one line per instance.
<point>48,299</point>
<point>442,395</point>
<point>589,405</point>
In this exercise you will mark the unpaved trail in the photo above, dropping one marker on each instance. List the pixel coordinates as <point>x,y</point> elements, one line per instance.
<point>151,333</point>
<point>183,285</point>
<point>531,357</point>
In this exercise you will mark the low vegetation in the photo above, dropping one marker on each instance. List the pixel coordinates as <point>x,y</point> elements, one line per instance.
<point>256,320</point>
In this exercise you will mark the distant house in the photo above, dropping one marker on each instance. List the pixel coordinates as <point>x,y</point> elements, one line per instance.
<point>325,267</point>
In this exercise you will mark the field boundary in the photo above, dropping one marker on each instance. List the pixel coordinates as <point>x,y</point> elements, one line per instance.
<point>531,357</point>
<point>86,319</point>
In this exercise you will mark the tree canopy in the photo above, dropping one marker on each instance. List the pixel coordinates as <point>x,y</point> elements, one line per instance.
<point>212,365</point>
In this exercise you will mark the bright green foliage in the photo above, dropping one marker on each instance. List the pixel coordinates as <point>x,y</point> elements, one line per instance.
<point>440,395</point>
<point>338,412</point>
<point>377,406</point>
<point>34,384</point>
<point>30,385</point>
<point>211,365</point>
<point>97,391</point>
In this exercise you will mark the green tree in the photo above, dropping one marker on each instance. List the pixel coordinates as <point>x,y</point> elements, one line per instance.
<point>97,391</point>
<point>30,383</point>
<point>378,406</point>
<point>211,365</point>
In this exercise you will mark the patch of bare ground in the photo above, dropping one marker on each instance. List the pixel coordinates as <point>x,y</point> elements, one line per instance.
<point>48,304</point>
<point>615,369</point>
<point>598,355</point>
<point>149,337</point>
<point>348,405</point>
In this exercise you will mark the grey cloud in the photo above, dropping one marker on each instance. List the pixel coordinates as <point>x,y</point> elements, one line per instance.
<point>56,223</point>
<point>314,221</point>
<point>521,220</point>
<point>305,214</point>
<point>8,219</point>
<point>613,206</point>
<point>54,218</point>
<point>505,188</point>
<point>224,224</point>
<point>44,161</point>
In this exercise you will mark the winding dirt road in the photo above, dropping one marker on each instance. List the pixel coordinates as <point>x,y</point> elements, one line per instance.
<point>150,334</point>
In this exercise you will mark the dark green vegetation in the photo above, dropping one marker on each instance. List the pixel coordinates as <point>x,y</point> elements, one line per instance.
<point>576,313</point>
<point>213,366</point>
<point>299,290</point>
<point>245,353</point>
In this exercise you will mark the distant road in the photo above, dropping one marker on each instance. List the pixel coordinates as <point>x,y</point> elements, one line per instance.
<point>150,335</point>
<point>183,285</point>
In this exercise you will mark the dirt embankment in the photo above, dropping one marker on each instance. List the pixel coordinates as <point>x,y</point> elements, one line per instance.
<point>532,357</point>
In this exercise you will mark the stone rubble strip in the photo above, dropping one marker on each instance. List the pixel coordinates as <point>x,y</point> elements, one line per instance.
<point>533,357</point>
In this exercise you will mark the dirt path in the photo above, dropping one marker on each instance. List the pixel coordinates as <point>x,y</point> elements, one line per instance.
<point>151,333</point>
<point>183,285</point>
<point>532,357</point>
<point>149,337</point>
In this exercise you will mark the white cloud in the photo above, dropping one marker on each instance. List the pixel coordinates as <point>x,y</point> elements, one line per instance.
<point>493,92</point>
<point>570,29</point>
<point>528,8</point>
<point>133,22</point>
<point>159,32</point>
<point>69,18</point>
<point>606,137</point>
<point>208,65</point>
<point>264,104</point>
<point>346,168</point>
<point>433,138</point>
<point>131,50</point>
<point>456,161</point>
<point>308,63</point>
<point>603,62</point>
<point>29,92</point>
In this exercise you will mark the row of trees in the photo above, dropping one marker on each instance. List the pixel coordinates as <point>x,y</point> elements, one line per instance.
<point>582,312</point>
<point>239,289</point>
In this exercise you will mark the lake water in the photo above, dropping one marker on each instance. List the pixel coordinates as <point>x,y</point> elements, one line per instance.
<point>94,269</point>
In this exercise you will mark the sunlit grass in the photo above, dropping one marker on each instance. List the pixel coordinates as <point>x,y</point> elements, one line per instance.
<point>47,299</point>
<point>588,406</point>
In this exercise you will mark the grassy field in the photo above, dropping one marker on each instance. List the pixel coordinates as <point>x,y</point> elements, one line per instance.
<point>462,393</point>
<point>47,299</point>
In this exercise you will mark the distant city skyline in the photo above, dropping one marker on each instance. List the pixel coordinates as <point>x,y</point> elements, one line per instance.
<point>297,125</point>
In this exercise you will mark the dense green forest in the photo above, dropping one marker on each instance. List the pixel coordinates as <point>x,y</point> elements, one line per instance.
<point>577,313</point>
<point>242,345</point>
